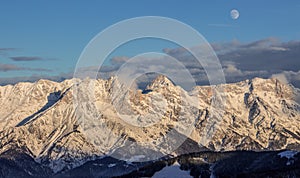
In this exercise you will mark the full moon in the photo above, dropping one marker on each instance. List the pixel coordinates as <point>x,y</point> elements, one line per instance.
<point>234,14</point>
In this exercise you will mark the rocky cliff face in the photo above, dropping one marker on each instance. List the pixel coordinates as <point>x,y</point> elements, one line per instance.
<point>63,125</point>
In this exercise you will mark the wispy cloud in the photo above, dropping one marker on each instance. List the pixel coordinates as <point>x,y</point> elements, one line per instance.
<point>288,76</point>
<point>7,49</point>
<point>29,58</point>
<point>12,67</point>
<point>9,67</point>
<point>119,59</point>
<point>4,51</point>
<point>26,58</point>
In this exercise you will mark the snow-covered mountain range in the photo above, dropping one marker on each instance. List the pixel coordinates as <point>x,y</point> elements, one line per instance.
<point>64,125</point>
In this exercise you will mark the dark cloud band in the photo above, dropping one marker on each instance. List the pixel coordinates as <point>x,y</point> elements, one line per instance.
<point>26,58</point>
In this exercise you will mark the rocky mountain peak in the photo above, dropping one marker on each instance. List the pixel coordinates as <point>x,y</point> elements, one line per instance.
<point>160,82</point>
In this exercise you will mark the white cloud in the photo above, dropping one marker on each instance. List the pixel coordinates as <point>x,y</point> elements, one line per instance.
<point>281,77</point>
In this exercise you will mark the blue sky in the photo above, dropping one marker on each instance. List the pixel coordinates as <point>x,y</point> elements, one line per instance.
<point>55,32</point>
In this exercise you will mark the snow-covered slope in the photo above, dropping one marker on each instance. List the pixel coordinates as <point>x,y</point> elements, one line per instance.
<point>172,171</point>
<point>63,125</point>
